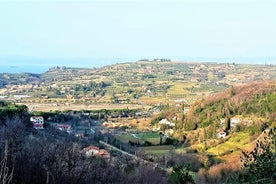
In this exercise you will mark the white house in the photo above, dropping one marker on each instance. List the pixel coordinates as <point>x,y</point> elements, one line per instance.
<point>96,151</point>
<point>165,121</point>
<point>234,121</point>
<point>20,96</point>
<point>91,151</point>
<point>38,122</point>
<point>221,133</point>
<point>64,127</point>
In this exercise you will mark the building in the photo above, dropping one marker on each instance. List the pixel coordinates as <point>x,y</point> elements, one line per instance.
<point>234,121</point>
<point>96,151</point>
<point>103,154</point>
<point>20,96</point>
<point>221,133</point>
<point>91,151</point>
<point>37,121</point>
<point>64,127</point>
<point>166,122</point>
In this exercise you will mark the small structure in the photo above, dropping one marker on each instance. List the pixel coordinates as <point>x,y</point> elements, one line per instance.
<point>165,121</point>
<point>169,131</point>
<point>64,127</point>
<point>234,121</point>
<point>96,151</point>
<point>221,134</point>
<point>20,96</point>
<point>91,151</point>
<point>103,154</point>
<point>79,133</point>
<point>37,121</point>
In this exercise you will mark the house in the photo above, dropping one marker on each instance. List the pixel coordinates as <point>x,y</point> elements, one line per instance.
<point>234,121</point>
<point>221,133</point>
<point>20,96</point>
<point>169,131</point>
<point>165,121</point>
<point>96,151</point>
<point>37,121</point>
<point>79,133</point>
<point>91,151</point>
<point>64,127</point>
<point>103,154</point>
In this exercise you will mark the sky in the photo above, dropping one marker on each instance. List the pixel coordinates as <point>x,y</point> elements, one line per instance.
<point>137,28</point>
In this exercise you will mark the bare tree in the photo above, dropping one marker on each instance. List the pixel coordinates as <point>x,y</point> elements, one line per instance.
<point>6,174</point>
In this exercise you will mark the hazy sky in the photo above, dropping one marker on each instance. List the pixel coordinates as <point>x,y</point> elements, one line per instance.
<point>138,28</point>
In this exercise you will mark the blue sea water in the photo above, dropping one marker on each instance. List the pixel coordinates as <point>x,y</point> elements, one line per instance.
<point>38,66</point>
<point>24,69</point>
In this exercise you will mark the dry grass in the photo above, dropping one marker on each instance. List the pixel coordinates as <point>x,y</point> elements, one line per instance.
<point>217,173</point>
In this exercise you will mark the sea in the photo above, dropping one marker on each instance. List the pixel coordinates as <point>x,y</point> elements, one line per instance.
<point>24,69</point>
<point>38,66</point>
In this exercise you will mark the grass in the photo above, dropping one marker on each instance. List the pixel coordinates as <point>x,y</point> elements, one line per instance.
<point>158,150</point>
<point>150,137</point>
<point>232,147</point>
<point>125,138</point>
<point>184,150</point>
<point>180,88</point>
<point>152,100</point>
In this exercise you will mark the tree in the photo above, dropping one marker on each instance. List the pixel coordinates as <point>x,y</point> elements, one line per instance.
<point>5,173</point>
<point>181,175</point>
<point>161,137</point>
<point>232,91</point>
<point>227,124</point>
<point>259,165</point>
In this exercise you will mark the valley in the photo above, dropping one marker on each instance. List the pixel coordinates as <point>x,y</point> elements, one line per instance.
<point>200,116</point>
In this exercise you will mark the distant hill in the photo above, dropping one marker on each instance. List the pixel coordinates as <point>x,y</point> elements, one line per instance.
<point>18,79</point>
<point>143,82</point>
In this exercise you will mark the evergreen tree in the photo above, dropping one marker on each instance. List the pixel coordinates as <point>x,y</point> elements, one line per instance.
<point>259,165</point>
<point>181,175</point>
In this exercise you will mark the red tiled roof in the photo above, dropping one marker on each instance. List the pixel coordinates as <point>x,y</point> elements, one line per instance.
<point>91,148</point>
<point>103,153</point>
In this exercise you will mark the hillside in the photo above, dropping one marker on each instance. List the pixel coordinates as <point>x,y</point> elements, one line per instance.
<point>206,136</point>
<point>255,99</point>
<point>226,123</point>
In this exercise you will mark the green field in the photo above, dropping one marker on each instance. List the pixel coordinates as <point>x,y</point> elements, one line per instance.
<point>158,150</point>
<point>153,138</point>
<point>238,141</point>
